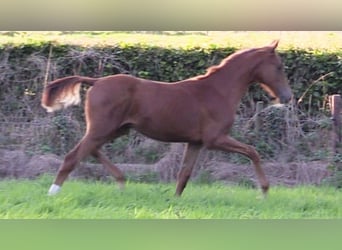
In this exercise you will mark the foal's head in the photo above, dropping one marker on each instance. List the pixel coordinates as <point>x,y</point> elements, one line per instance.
<point>270,73</point>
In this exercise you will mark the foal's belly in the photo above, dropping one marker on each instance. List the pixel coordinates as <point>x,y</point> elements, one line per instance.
<point>169,137</point>
<point>169,131</point>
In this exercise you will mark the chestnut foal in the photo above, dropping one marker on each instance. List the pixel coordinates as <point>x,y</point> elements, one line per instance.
<point>198,111</point>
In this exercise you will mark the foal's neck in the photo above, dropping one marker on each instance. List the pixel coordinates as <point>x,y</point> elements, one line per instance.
<point>234,77</point>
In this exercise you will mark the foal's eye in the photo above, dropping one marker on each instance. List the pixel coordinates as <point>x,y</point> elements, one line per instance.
<point>280,68</point>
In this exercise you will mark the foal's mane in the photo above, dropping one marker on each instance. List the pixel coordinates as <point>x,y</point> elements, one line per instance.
<point>226,61</point>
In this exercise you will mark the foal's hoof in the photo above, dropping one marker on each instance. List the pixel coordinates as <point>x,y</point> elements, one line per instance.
<point>178,194</point>
<point>121,185</point>
<point>264,190</point>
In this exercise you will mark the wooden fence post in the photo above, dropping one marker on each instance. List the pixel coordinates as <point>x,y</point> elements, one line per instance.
<point>335,105</point>
<point>258,121</point>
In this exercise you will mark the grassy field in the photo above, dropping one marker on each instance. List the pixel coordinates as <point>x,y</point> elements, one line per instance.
<point>325,40</point>
<point>94,200</point>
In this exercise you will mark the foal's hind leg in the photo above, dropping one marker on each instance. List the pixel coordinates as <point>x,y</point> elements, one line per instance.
<point>191,153</point>
<point>229,144</point>
<point>72,159</point>
<point>115,171</point>
<point>90,144</point>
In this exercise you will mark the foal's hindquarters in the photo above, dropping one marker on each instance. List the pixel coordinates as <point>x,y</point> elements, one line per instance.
<point>103,124</point>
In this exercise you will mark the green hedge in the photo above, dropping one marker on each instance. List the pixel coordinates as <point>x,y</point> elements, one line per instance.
<point>23,68</point>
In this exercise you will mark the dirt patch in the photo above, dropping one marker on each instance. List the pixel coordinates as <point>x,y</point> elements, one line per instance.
<point>17,164</point>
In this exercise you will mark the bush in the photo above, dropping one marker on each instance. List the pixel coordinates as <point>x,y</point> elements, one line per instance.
<point>24,68</point>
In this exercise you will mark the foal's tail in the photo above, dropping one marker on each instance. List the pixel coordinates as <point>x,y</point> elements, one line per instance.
<point>64,92</point>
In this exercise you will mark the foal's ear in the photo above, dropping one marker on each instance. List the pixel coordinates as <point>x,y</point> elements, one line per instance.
<point>273,45</point>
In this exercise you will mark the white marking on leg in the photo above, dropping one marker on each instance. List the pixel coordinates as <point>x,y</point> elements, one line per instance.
<point>54,189</point>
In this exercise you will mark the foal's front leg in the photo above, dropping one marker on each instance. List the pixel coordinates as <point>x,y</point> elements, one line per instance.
<point>190,156</point>
<point>228,144</point>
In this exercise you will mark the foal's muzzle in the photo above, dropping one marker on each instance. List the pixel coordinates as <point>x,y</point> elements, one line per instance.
<point>285,95</point>
<point>283,99</point>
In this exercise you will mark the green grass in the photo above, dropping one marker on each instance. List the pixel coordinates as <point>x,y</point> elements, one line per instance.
<point>96,200</point>
<point>326,40</point>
